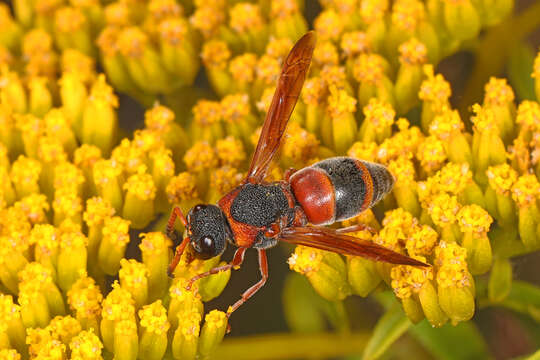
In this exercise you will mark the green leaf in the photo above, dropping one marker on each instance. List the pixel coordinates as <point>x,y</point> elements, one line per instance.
<point>524,298</point>
<point>388,329</point>
<point>520,65</point>
<point>463,341</point>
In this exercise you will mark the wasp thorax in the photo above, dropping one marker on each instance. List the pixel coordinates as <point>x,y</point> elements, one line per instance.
<point>208,231</point>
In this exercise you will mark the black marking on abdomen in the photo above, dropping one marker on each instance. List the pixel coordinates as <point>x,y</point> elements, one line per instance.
<point>349,187</point>
<point>259,205</point>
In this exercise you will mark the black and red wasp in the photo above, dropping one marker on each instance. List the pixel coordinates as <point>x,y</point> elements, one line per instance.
<point>258,214</point>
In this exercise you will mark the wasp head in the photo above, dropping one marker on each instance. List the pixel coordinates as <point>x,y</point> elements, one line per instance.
<point>208,231</point>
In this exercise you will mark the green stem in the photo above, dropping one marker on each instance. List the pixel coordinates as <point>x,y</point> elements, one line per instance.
<point>292,346</point>
<point>493,52</point>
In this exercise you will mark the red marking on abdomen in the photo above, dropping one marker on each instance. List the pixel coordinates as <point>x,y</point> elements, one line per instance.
<point>314,192</point>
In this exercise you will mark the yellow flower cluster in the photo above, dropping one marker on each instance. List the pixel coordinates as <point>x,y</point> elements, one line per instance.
<point>74,186</point>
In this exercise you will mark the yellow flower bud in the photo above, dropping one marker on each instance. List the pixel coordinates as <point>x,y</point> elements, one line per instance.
<point>84,299</point>
<point>139,200</point>
<point>154,324</point>
<point>212,333</point>
<point>133,277</point>
<point>86,346</point>
<point>72,258</point>
<point>155,255</point>
<point>126,340</point>
<point>186,336</point>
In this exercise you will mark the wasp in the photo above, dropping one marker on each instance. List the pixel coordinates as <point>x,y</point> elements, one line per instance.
<point>258,214</point>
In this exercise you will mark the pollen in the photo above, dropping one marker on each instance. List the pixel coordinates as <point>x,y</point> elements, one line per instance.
<point>85,346</point>
<point>126,327</point>
<point>373,10</point>
<point>452,267</point>
<point>526,190</point>
<point>154,243</point>
<point>242,67</point>
<point>200,156</point>
<point>434,88</point>
<point>118,305</point>
<point>473,218</point>
<point>85,298</point>
<point>446,124</point>
<point>443,209</point>
<point>9,354</point>
<point>67,175</point>
<point>300,145</point>
<point>215,319</point>
<point>354,43</point>
<point>133,274</point>
<point>206,112</point>
<point>484,120</point>
<point>174,31</point>
<point>379,113</point>
<point>230,151</point>
<point>225,178</point>
<point>64,328</point>
<point>8,309</point>
<point>67,202</point>
<point>29,124</point>
<point>314,91</point>
<point>86,156</point>
<point>178,292</point>
<point>431,154</point>
<point>106,171</point>
<point>334,76</point>
<point>245,17</point>
<point>162,161</point>
<point>340,103</point>
<point>132,42</point>
<point>326,53</point>
<point>45,237</point>
<point>117,14</point>
<point>181,187</point>
<point>25,171</point>
<point>116,230</point>
<point>407,14</point>
<point>408,280</point>
<point>305,260</point>
<point>412,52</point>
<point>102,93</point>
<point>35,42</point>
<point>208,19</point>
<point>154,318</point>
<point>97,210</point>
<point>107,41</point>
<point>329,25</point>
<point>35,207</point>
<point>268,69</point>
<point>498,92</point>
<point>190,324</point>
<point>422,240</point>
<point>215,54</point>
<point>69,19</point>
<point>501,178</point>
<point>162,9</point>
<point>76,63</point>
<point>158,118</point>
<point>141,185</point>
<point>50,149</point>
<point>403,170</point>
<point>279,48</point>
<point>73,239</point>
<point>453,178</point>
<point>131,157</point>
<point>528,115</point>
<point>283,9</point>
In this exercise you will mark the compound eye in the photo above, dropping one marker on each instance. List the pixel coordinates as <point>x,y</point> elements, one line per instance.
<point>198,207</point>
<point>208,247</point>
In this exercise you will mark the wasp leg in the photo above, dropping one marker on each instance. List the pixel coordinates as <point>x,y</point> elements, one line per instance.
<point>288,173</point>
<point>235,265</point>
<point>177,255</point>
<point>357,227</point>
<point>263,267</point>
<point>176,213</point>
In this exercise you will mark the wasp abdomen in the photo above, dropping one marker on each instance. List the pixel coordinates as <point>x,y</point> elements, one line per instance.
<point>339,188</point>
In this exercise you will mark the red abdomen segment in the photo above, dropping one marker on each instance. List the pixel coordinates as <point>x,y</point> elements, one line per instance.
<point>339,188</point>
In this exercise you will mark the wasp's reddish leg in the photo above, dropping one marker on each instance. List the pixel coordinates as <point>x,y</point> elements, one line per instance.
<point>357,227</point>
<point>263,267</point>
<point>288,173</point>
<point>237,260</point>
<point>176,213</point>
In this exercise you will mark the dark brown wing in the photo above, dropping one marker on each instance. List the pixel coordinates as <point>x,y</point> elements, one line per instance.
<point>330,240</point>
<point>288,89</point>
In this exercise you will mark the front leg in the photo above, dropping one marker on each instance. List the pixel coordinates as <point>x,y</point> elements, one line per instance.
<point>263,267</point>
<point>235,265</point>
